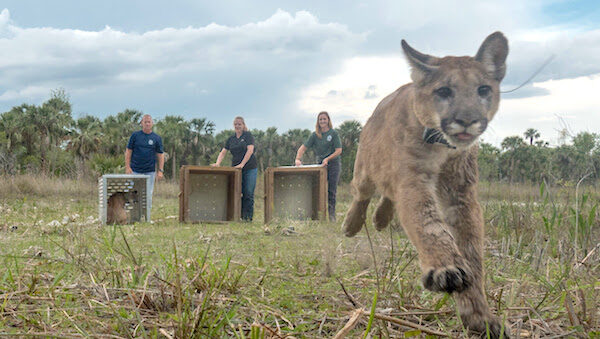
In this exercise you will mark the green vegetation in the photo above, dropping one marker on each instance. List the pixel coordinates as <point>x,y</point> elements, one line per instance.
<point>46,139</point>
<point>63,274</point>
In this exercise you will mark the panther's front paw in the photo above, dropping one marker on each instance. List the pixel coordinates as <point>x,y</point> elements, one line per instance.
<point>488,326</point>
<point>496,330</point>
<point>446,279</point>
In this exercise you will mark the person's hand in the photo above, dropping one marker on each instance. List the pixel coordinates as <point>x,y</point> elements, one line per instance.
<point>298,162</point>
<point>239,166</point>
<point>159,175</point>
<point>128,170</point>
<point>325,162</point>
<point>214,165</point>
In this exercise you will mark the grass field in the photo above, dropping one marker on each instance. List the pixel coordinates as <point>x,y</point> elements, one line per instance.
<point>64,275</point>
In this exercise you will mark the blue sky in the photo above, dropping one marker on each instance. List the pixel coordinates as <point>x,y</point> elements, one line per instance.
<point>278,63</point>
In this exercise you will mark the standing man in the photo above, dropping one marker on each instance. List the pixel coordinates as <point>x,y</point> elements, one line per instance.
<point>143,149</point>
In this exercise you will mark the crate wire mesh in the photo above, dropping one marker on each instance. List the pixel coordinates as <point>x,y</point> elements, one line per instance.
<point>209,194</point>
<point>296,193</point>
<point>294,196</point>
<point>136,188</point>
<point>208,197</point>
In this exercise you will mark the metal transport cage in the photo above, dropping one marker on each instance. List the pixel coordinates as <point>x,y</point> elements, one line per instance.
<point>296,193</point>
<point>136,188</point>
<point>209,194</point>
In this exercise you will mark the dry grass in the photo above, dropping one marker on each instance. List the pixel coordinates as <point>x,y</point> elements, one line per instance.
<point>242,280</point>
<point>20,186</point>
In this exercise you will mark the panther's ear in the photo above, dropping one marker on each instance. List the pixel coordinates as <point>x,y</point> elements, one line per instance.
<point>421,64</point>
<point>492,54</point>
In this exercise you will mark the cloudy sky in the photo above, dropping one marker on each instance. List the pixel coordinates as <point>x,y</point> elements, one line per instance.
<point>279,62</point>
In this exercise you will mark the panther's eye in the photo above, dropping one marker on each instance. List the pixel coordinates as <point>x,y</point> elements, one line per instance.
<point>443,92</point>
<point>484,90</point>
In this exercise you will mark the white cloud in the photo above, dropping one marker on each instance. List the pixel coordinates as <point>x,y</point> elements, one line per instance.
<point>289,62</point>
<point>571,101</point>
<point>74,59</point>
<point>26,92</point>
<point>357,89</point>
<point>576,54</point>
<point>4,18</point>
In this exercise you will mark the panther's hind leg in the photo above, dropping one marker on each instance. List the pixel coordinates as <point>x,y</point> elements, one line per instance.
<point>383,214</point>
<point>362,189</point>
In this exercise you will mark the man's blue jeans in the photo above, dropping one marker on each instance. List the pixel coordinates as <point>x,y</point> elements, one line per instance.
<point>152,178</point>
<point>248,185</point>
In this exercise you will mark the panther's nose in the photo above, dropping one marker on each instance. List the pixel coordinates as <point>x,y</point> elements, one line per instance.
<point>466,123</point>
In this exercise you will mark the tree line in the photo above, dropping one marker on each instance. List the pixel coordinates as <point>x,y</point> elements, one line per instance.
<point>47,139</point>
<point>527,158</point>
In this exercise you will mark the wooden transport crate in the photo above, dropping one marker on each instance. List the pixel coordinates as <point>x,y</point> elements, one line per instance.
<point>296,192</point>
<point>209,194</point>
<point>135,187</point>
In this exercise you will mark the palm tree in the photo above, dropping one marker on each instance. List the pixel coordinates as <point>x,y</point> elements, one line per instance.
<point>201,142</point>
<point>118,129</point>
<point>175,132</point>
<point>11,124</point>
<point>272,141</point>
<point>219,141</point>
<point>291,141</point>
<point>86,136</point>
<point>512,145</point>
<point>52,121</point>
<point>28,127</point>
<point>531,134</point>
<point>259,140</point>
<point>349,132</point>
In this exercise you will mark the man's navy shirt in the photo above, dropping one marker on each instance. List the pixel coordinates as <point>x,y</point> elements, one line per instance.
<point>143,151</point>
